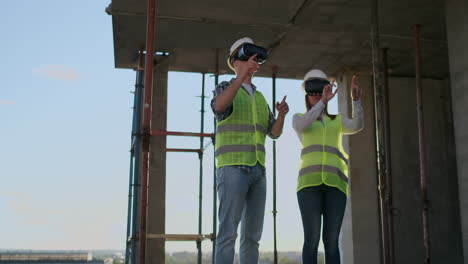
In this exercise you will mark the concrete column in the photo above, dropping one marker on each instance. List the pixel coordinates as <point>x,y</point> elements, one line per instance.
<point>363,208</point>
<point>346,236</point>
<point>155,248</point>
<point>457,36</point>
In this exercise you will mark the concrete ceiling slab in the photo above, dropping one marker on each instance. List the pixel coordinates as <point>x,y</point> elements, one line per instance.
<point>301,34</point>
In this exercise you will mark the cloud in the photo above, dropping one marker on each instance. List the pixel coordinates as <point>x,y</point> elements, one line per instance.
<point>5,102</point>
<point>57,72</point>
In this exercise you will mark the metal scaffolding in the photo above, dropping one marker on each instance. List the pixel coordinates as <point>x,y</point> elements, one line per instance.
<point>275,249</point>
<point>132,238</point>
<point>382,136</point>
<point>422,146</point>
<point>146,125</point>
<point>130,252</point>
<point>141,122</point>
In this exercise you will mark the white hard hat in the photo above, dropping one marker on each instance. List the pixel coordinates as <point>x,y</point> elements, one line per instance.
<point>235,46</point>
<point>238,43</point>
<point>315,73</point>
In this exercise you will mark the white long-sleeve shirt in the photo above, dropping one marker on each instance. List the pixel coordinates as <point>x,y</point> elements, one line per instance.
<point>350,126</point>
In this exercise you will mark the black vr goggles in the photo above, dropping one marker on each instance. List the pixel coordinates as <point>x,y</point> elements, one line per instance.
<point>247,50</point>
<point>315,86</point>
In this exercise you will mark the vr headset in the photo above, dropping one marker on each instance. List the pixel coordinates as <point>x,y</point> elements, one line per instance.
<point>247,50</point>
<point>315,86</point>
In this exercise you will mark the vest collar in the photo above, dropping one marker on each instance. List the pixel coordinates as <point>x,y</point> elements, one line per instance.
<point>254,88</point>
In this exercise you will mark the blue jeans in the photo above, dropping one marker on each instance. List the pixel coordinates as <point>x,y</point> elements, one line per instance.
<point>242,195</point>
<point>314,202</point>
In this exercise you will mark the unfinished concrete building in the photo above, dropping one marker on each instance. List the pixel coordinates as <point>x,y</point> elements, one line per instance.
<point>408,166</point>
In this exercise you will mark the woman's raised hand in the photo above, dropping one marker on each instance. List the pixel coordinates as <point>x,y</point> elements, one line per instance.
<point>328,93</point>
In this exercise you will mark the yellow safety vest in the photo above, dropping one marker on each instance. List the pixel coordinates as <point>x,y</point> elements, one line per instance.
<point>323,159</point>
<point>240,138</point>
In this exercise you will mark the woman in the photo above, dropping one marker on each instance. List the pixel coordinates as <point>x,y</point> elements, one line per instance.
<point>323,178</point>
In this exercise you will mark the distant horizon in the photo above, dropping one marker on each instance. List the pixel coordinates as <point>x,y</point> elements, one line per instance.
<point>2,250</point>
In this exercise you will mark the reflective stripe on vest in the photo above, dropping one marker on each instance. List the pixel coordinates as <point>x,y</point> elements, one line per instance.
<point>261,129</point>
<point>240,138</point>
<point>326,168</point>
<point>239,148</point>
<point>320,148</point>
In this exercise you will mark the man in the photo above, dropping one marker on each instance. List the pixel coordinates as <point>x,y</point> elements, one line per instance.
<point>243,121</point>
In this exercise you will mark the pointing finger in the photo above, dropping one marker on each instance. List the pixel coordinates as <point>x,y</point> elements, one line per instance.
<point>284,99</point>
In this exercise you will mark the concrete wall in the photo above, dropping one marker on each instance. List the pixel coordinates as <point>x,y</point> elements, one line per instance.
<point>155,248</point>
<point>441,173</point>
<point>444,217</point>
<point>457,36</point>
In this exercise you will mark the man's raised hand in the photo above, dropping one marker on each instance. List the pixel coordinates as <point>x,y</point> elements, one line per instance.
<point>282,107</point>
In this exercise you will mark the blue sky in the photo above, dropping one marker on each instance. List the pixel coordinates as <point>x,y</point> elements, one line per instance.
<point>65,115</point>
